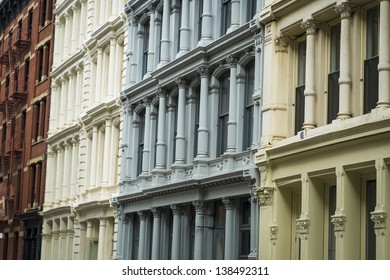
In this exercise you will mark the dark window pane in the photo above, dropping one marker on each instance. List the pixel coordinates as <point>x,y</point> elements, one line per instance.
<point>331,236</point>
<point>370,232</point>
<point>372,32</point>
<point>370,84</point>
<point>299,108</point>
<point>333,95</point>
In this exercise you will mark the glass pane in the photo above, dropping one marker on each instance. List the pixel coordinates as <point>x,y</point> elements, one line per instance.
<point>370,232</point>
<point>331,236</point>
<point>224,98</point>
<point>335,48</point>
<point>299,108</point>
<point>220,215</point>
<point>301,63</point>
<point>333,95</point>
<point>246,213</point>
<point>372,32</point>
<point>370,83</point>
<point>245,242</point>
<point>250,82</point>
<point>219,245</point>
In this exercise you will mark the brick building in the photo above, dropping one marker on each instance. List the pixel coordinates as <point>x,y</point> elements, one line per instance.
<point>26,43</point>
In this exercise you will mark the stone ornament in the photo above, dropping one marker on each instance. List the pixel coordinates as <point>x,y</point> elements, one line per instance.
<point>274,232</point>
<point>379,219</point>
<point>338,222</point>
<point>303,227</point>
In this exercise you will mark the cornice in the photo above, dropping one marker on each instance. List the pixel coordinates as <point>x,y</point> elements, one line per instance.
<point>69,63</point>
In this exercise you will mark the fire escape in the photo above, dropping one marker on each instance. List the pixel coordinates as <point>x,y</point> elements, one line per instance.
<point>12,96</point>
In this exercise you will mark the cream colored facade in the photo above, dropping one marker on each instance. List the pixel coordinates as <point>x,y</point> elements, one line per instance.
<point>84,130</point>
<point>325,149</point>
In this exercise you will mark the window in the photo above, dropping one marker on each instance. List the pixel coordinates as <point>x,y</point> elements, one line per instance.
<point>248,117</point>
<point>40,64</point>
<point>226,16</point>
<point>251,9</point>
<point>141,141</point>
<point>26,73</point>
<point>7,84</point>
<point>372,60</point>
<point>19,32</point>
<point>334,73</point>
<point>219,230</point>
<point>245,228</point>
<point>223,113</point>
<point>300,89</point>
<point>146,48</point>
<point>370,238</point>
<point>200,13</point>
<point>29,23</point>
<point>32,184</point>
<point>43,12</point>
<point>197,110</point>
<point>36,121</point>
<point>22,127</point>
<point>331,236</point>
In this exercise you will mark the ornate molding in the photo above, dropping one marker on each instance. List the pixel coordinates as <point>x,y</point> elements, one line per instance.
<point>228,202</point>
<point>303,226</point>
<point>156,212</point>
<point>265,195</point>
<point>338,222</point>
<point>310,26</point>
<point>281,43</point>
<point>161,92</point>
<point>274,232</point>
<point>199,205</point>
<point>345,9</point>
<point>379,219</point>
<point>231,60</point>
<point>182,82</point>
<point>176,209</point>
<point>142,215</point>
<point>204,71</point>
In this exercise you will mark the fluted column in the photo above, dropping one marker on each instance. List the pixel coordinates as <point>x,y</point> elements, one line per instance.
<point>99,77</point>
<point>235,15</point>
<point>59,174</point>
<point>229,227</point>
<point>176,238</point>
<point>310,93</point>
<point>200,208</point>
<point>232,122</point>
<point>207,25</point>
<point>184,28</point>
<point>203,131</point>
<point>83,17</point>
<point>142,235</point>
<point>102,238</point>
<point>106,156</point>
<point>345,10</point>
<point>182,84</point>
<point>93,165</point>
<point>156,233</point>
<point>111,69</point>
<point>146,151</point>
<point>70,103</point>
<point>164,57</point>
<point>160,145</point>
<point>384,55</point>
<point>151,46</point>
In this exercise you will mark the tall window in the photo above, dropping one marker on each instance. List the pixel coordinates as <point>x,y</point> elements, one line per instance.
<point>299,90</point>
<point>146,48</point>
<point>200,12</point>
<point>251,9</point>
<point>223,113</point>
<point>197,110</point>
<point>40,64</point>
<point>334,73</point>
<point>32,184</point>
<point>36,120</point>
<point>372,60</point>
<point>141,141</point>
<point>248,117</point>
<point>331,236</point>
<point>29,23</point>
<point>370,232</point>
<point>245,228</point>
<point>219,230</point>
<point>26,73</point>
<point>43,12</point>
<point>226,16</point>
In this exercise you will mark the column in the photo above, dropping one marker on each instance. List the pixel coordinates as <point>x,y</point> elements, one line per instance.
<point>142,235</point>
<point>380,215</point>
<point>152,44</point>
<point>99,64</point>
<point>54,242</point>
<point>93,165</point>
<point>57,45</point>
<point>207,26</point>
<point>119,67</point>
<point>182,84</point>
<point>115,7</point>
<point>176,238</point>
<point>107,10</point>
<point>75,26</point>
<point>184,28</point>
<point>62,246</point>
<point>83,17</point>
<point>345,10</point>
<point>102,11</point>
<point>112,68</point>
<point>88,239</point>
<point>164,57</point>
<point>384,56</point>
<point>257,95</point>
<point>347,205</point>
<point>310,93</point>
<point>104,80</point>
<point>254,227</point>
<point>113,152</point>
<point>66,35</point>
<point>74,169</point>
<point>203,131</point>
<point>50,187</point>
<point>136,51</point>
<point>64,98</point>
<point>59,174</point>
<point>229,227</point>
<point>53,121</point>
<point>232,122</point>
<point>106,156</point>
<point>235,15</point>
<point>156,233</point>
<point>102,238</point>
<point>78,93</point>
<point>66,168</point>
<point>91,6</point>
<point>160,145</point>
<point>146,151</point>
<point>200,208</point>
<point>70,103</point>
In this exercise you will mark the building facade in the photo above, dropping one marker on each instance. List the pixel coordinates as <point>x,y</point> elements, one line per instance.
<point>325,149</point>
<point>26,43</point>
<point>84,130</point>
<point>191,127</point>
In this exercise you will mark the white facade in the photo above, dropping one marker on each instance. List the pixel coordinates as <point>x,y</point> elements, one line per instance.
<point>324,156</point>
<point>190,130</point>
<point>84,130</point>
